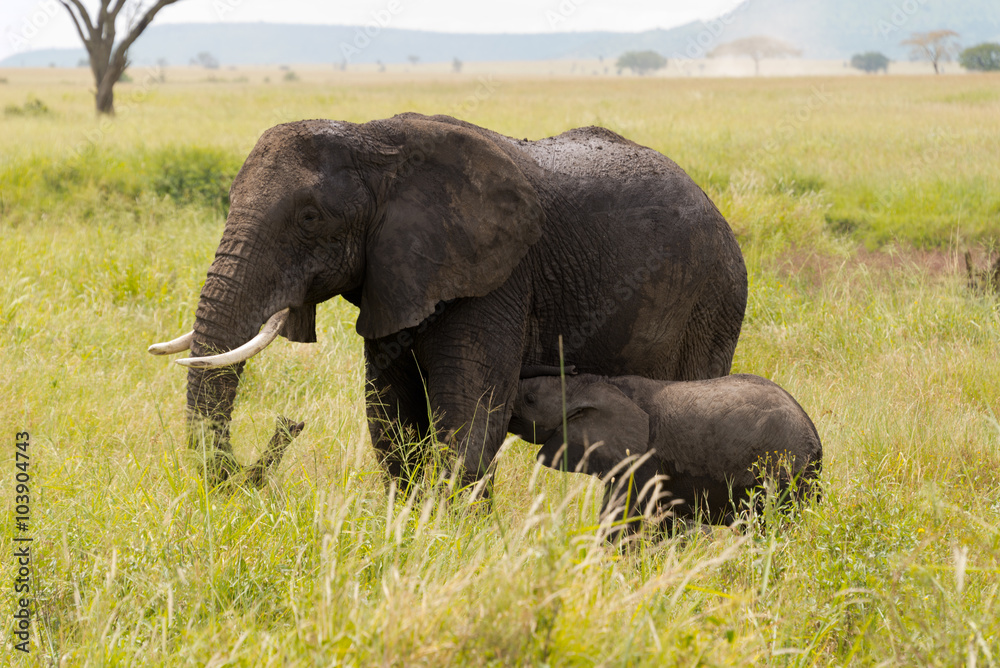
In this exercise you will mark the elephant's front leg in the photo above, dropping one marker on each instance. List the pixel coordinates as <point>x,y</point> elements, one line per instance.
<point>472,356</point>
<point>622,502</point>
<point>396,405</point>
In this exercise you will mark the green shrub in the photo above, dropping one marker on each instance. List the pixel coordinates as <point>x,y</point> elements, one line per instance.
<point>97,181</point>
<point>33,107</point>
<point>641,62</point>
<point>984,57</point>
<point>190,174</point>
<point>872,61</point>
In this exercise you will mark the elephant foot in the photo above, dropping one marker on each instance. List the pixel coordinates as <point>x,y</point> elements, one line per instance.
<point>284,432</point>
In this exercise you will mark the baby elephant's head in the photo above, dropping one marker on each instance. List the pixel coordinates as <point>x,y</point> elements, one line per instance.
<point>538,408</point>
<point>604,427</point>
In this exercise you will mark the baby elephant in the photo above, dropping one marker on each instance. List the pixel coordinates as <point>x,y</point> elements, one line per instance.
<point>715,440</point>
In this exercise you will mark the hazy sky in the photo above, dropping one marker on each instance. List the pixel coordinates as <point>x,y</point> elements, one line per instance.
<point>44,24</point>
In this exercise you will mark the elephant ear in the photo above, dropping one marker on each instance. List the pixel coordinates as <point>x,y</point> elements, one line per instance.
<point>459,215</point>
<point>599,412</point>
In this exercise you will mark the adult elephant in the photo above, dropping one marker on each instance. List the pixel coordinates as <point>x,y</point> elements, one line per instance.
<point>469,254</point>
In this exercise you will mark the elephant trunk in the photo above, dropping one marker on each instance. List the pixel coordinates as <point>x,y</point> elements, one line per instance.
<point>211,394</point>
<point>228,315</point>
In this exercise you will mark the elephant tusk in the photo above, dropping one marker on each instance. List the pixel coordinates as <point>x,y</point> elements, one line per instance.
<point>244,352</point>
<point>178,345</point>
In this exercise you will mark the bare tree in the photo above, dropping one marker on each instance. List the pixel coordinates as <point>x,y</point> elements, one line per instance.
<point>206,60</point>
<point>757,48</point>
<point>108,60</point>
<point>936,46</point>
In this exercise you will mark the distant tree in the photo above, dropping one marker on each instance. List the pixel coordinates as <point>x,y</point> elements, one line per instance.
<point>871,61</point>
<point>756,48</point>
<point>641,62</point>
<point>984,57</point>
<point>108,58</point>
<point>206,60</point>
<point>456,65</point>
<point>413,59</point>
<point>381,65</point>
<point>937,46</point>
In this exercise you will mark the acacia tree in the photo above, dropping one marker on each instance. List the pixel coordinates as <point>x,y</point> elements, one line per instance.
<point>983,57</point>
<point>641,62</point>
<point>871,61</point>
<point>757,48</point>
<point>108,60</point>
<point>935,46</point>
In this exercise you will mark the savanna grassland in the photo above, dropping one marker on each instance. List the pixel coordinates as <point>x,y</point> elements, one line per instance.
<point>853,200</point>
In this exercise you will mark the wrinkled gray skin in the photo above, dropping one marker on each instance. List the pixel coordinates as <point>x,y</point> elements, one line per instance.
<point>708,437</point>
<point>468,253</point>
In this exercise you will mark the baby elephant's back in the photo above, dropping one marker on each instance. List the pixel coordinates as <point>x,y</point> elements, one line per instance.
<point>730,423</point>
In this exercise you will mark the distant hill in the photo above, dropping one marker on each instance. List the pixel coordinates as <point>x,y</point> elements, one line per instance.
<point>831,29</point>
<point>279,43</point>
<point>834,28</point>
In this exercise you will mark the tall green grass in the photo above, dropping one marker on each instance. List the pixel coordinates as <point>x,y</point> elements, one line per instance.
<point>138,564</point>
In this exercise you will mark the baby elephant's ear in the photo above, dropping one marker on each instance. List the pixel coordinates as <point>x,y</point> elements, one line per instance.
<point>599,412</point>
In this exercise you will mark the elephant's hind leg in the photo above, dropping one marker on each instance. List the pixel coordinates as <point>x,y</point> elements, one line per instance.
<point>710,339</point>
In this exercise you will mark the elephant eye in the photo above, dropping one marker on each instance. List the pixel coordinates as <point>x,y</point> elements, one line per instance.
<point>309,216</point>
<point>529,399</point>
